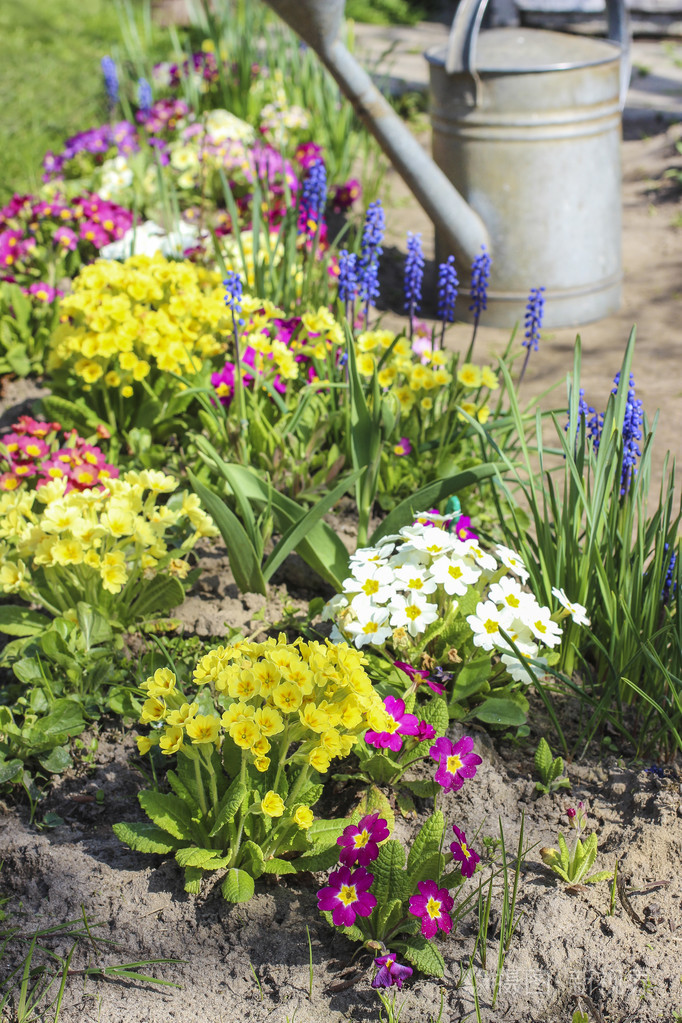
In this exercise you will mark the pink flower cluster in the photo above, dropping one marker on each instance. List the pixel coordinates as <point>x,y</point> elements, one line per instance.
<point>32,453</point>
<point>347,895</point>
<point>30,230</point>
<point>400,725</point>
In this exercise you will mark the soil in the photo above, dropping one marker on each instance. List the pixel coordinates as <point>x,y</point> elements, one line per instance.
<point>251,962</point>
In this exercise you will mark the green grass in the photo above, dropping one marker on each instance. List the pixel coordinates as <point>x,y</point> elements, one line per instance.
<point>51,83</point>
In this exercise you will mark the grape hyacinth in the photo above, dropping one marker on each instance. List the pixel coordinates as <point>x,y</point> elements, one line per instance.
<point>414,276</point>
<point>448,283</point>
<point>535,309</point>
<point>632,422</point>
<point>313,199</point>
<point>348,279</point>
<point>370,250</point>
<point>669,586</point>
<point>144,96</point>
<point>480,275</point>
<point>110,80</point>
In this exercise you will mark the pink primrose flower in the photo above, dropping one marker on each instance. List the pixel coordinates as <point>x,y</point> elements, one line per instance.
<point>390,972</point>
<point>360,842</point>
<point>347,895</point>
<point>466,856</point>
<point>399,724</point>
<point>433,905</point>
<point>455,761</point>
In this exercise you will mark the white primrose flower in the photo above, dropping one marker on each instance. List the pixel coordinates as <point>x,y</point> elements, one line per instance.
<point>431,519</point>
<point>414,613</point>
<point>509,593</point>
<point>371,627</point>
<point>519,669</point>
<point>331,609</point>
<point>487,622</point>
<point>370,555</point>
<point>415,578</point>
<point>454,574</point>
<point>472,549</point>
<point>578,612</point>
<point>432,539</point>
<point>512,561</point>
<point>539,621</point>
<point>373,582</point>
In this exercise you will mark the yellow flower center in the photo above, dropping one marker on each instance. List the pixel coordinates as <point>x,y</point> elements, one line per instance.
<point>370,628</point>
<point>433,908</point>
<point>370,586</point>
<point>392,725</point>
<point>413,611</point>
<point>362,839</point>
<point>490,626</point>
<point>348,895</point>
<point>465,850</point>
<point>416,584</point>
<point>540,626</point>
<point>512,600</point>
<point>455,571</point>
<point>454,763</point>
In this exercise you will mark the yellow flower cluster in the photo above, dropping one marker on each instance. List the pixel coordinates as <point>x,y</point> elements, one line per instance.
<point>148,315</point>
<point>274,693</point>
<point>412,378</point>
<point>97,537</point>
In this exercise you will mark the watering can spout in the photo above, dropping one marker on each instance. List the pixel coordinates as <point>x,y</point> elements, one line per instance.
<point>318,22</point>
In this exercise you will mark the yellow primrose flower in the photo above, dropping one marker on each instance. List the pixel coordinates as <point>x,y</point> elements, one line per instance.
<point>171,740</point>
<point>160,683</point>
<point>203,728</point>
<point>144,744</point>
<point>489,378</point>
<point>152,710</point>
<point>469,375</point>
<point>272,804</point>
<point>303,817</point>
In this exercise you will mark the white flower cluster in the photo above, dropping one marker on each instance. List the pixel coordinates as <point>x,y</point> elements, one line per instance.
<point>411,579</point>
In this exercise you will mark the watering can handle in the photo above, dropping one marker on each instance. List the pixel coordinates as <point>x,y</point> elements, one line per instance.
<point>461,53</point>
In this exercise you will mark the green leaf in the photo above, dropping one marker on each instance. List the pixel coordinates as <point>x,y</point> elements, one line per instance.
<point>94,626</point>
<point>427,841</point>
<point>373,800</point>
<point>167,811</point>
<point>405,804</point>
<point>388,871</point>
<point>238,886</point>
<point>423,954</point>
<point>27,670</point>
<point>21,621</point>
<point>64,719</point>
<point>426,497</point>
<point>543,760</point>
<point>422,788</point>
<point>145,838</point>
<point>157,595</point>
<point>244,559</point>
<point>380,768</point>
<point>229,805</point>
<point>9,769</point>
<point>182,790</point>
<point>556,769</point>
<point>193,877</point>
<point>251,858</point>
<point>389,913</point>
<point>204,859</point>
<point>318,861</point>
<point>56,761</point>
<point>279,866</point>
<point>602,875</point>
<point>18,359</point>
<point>68,413</point>
<point>435,713</point>
<point>322,834</point>
<point>496,710</point>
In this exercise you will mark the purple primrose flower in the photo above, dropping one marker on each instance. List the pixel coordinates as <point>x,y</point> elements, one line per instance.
<point>360,842</point>
<point>390,973</point>
<point>433,905</point>
<point>466,856</point>
<point>347,896</point>
<point>455,761</point>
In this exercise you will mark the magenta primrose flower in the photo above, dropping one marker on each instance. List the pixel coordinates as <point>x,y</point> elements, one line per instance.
<point>467,857</point>
<point>433,905</point>
<point>347,896</point>
<point>402,448</point>
<point>420,673</point>
<point>399,724</point>
<point>390,973</point>
<point>455,761</point>
<point>360,842</point>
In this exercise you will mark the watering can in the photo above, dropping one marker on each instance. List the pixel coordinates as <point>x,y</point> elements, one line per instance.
<point>526,143</point>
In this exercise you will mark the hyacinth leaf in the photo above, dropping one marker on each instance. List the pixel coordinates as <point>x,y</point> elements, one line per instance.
<point>21,621</point>
<point>160,594</point>
<point>168,812</point>
<point>496,710</point>
<point>203,859</point>
<point>427,841</point>
<point>426,497</point>
<point>388,915</point>
<point>251,858</point>
<point>229,805</point>
<point>278,866</point>
<point>238,886</point>
<point>145,838</point>
<point>423,954</point>
<point>193,880</point>
<point>388,869</point>
<point>244,559</point>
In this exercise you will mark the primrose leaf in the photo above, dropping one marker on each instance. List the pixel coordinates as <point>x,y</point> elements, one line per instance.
<point>145,837</point>
<point>435,713</point>
<point>204,859</point>
<point>499,710</point>
<point>252,858</point>
<point>9,769</point>
<point>423,954</point>
<point>229,805</point>
<point>556,769</point>
<point>427,841</point>
<point>193,880</point>
<point>565,856</point>
<point>168,812</point>
<point>373,800</point>
<point>322,834</point>
<point>238,886</point>
<point>279,866</point>
<point>380,768</point>
<point>181,790</point>
<point>56,761</point>
<point>602,875</point>
<point>318,861</point>
<point>388,871</point>
<point>22,621</point>
<point>543,760</point>
<point>388,915</point>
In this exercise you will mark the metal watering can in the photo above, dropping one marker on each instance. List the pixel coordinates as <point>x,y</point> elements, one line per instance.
<point>526,141</point>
